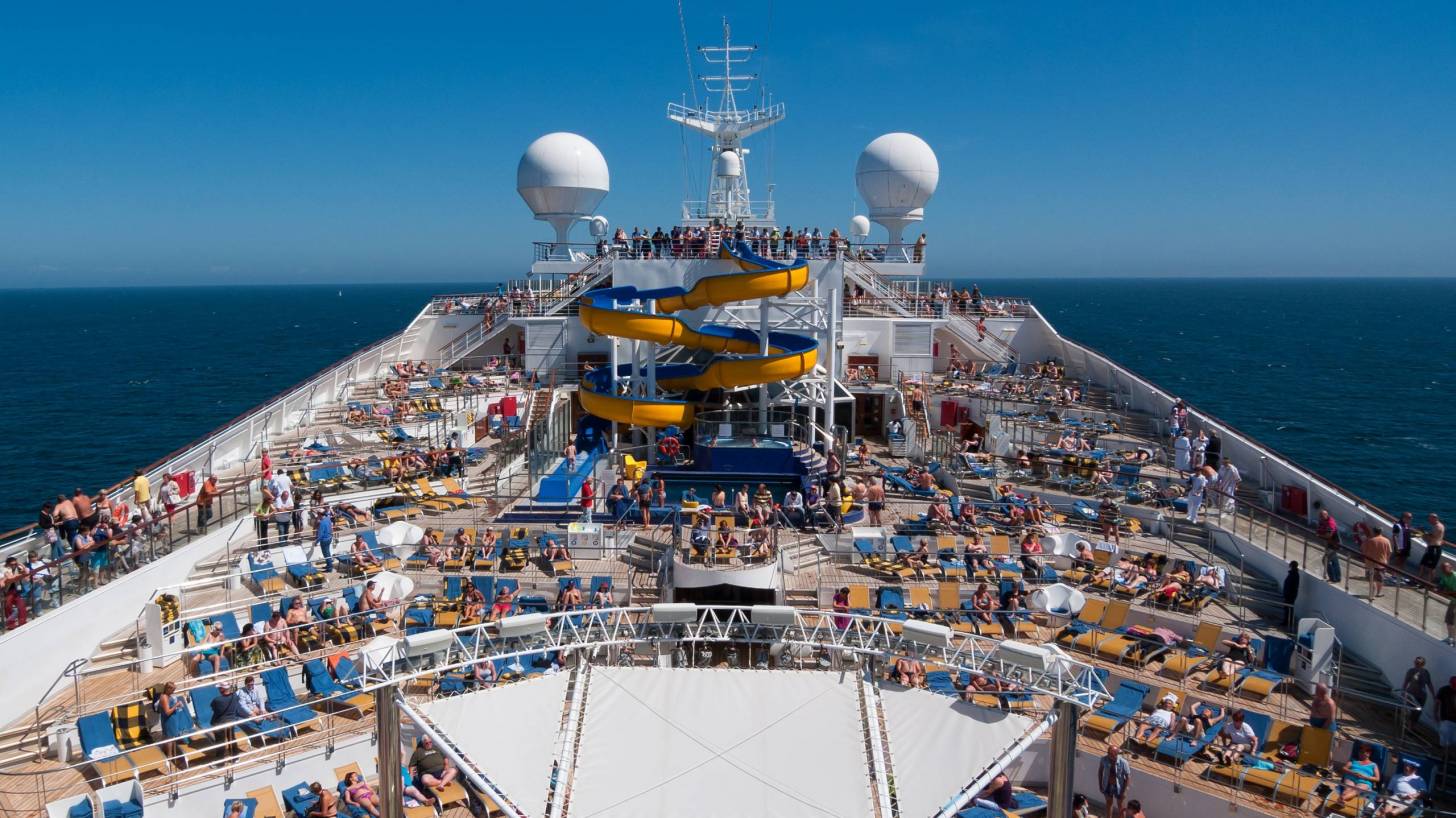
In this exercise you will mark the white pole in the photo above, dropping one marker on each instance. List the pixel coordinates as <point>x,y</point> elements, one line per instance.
<point>763,350</point>
<point>831,335</point>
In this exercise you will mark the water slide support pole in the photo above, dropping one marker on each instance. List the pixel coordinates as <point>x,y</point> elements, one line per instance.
<point>763,350</point>
<point>831,337</point>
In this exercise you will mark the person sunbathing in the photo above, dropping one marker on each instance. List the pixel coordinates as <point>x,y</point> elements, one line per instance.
<point>968,517</point>
<point>924,481</point>
<point>1208,578</point>
<point>430,544</point>
<point>983,604</point>
<point>919,559</point>
<point>1172,586</point>
<point>976,556</point>
<point>484,672</point>
<point>361,554</point>
<point>488,541</point>
<point>279,636</point>
<point>327,805</point>
<point>602,598</point>
<point>725,535</point>
<point>570,597</point>
<point>556,552</point>
<point>909,672</point>
<point>358,793</point>
<point>504,602</point>
<point>940,514</point>
<point>1237,655</point>
<point>208,651</point>
<point>472,608</point>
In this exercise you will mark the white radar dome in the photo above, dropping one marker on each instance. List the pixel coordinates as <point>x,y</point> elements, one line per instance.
<point>563,177</point>
<point>728,163</point>
<point>859,226</point>
<point>896,175</point>
<point>597,225</point>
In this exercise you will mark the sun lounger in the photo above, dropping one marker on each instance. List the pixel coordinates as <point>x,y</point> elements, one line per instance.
<point>283,703</point>
<point>303,573</point>
<point>267,800</point>
<point>332,695</point>
<point>1179,662</point>
<point>1127,701</point>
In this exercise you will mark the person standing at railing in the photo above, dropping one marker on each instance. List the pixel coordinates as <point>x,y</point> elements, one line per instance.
<point>1435,546</point>
<point>263,513</point>
<point>1196,488</point>
<point>1376,550</point>
<point>205,497</point>
<point>920,249</point>
<point>141,489</point>
<point>46,524</point>
<point>1328,532</point>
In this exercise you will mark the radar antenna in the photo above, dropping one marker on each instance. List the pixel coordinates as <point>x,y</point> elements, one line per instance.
<point>728,196</point>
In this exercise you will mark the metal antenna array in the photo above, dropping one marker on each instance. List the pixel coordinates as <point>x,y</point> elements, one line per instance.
<point>728,195</point>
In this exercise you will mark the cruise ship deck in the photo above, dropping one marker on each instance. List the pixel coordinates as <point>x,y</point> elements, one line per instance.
<point>958,557</point>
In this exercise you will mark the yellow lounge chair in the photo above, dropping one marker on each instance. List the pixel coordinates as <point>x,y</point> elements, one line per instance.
<point>1180,662</point>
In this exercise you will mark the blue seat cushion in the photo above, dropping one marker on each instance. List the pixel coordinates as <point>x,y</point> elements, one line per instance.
<point>81,810</point>
<point>121,809</point>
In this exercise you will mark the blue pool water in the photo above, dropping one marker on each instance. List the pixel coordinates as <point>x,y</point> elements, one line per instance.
<point>1347,377</point>
<point>704,482</point>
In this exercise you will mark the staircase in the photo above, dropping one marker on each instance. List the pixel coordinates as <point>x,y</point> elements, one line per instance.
<point>873,284</point>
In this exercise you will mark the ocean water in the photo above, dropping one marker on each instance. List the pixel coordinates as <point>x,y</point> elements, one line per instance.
<point>1347,377</point>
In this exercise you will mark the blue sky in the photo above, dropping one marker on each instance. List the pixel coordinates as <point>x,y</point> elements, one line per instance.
<point>270,142</point>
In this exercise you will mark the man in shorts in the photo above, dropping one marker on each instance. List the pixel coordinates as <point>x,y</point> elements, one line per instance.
<point>1435,539</point>
<point>1113,775</point>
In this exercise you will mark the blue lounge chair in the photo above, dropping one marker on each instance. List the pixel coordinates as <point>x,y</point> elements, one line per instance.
<point>1127,701</point>
<point>284,703</point>
<point>250,806</point>
<point>1179,749</point>
<point>321,683</point>
<point>298,799</point>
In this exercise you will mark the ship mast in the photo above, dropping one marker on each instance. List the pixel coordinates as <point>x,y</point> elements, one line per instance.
<point>728,196</point>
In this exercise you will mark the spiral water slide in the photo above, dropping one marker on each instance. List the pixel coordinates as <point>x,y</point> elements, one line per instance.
<point>739,360</point>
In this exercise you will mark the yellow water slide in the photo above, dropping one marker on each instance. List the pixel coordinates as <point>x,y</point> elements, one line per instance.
<point>621,312</point>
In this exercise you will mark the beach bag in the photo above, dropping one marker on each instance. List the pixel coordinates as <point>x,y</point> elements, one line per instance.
<point>1289,752</point>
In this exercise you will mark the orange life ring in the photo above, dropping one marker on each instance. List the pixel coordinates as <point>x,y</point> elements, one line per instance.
<point>669,446</point>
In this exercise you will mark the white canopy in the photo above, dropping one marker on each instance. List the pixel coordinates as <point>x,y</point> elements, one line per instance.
<point>510,732</point>
<point>938,744</point>
<point>711,742</point>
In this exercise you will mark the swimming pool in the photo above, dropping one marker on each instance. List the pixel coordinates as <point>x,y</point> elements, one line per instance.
<point>679,481</point>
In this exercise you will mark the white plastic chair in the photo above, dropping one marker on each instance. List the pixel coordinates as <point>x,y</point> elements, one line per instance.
<point>62,808</point>
<point>1058,600</point>
<point>1063,544</point>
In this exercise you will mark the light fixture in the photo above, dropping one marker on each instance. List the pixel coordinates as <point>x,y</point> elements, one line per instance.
<point>1022,655</point>
<point>664,613</point>
<point>522,625</point>
<point>926,633</point>
<point>773,616</point>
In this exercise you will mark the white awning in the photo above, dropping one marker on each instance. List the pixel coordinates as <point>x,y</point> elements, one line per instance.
<point>938,744</point>
<point>510,733</point>
<point>710,742</point>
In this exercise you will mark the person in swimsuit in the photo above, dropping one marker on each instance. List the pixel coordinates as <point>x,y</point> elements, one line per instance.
<point>504,602</point>
<point>1236,657</point>
<point>358,793</point>
<point>327,805</point>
